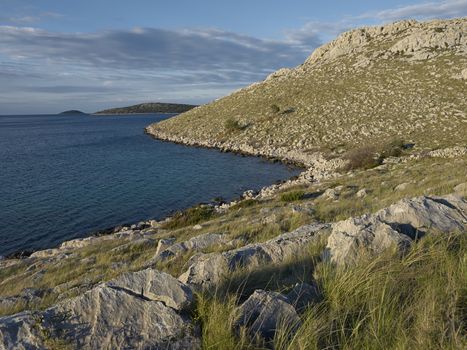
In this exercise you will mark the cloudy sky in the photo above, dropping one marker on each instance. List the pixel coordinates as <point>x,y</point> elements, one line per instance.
<point>95,54</point>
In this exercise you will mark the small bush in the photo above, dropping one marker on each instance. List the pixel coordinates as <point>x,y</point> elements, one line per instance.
<point>289,110</point>
<point>367,157</point>
<point>189,217</point>
<point>392,149</point>
<point>292,196</point>
<point>232,125</point>
<point>362,158</point>
<point>275,108</point>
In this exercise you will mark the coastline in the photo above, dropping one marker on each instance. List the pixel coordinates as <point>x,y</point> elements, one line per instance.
<point>315,168</point>
<point>126,229</point>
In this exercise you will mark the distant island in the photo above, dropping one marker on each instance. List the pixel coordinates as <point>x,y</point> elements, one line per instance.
<point>72,111</point>
<point>149,108</point>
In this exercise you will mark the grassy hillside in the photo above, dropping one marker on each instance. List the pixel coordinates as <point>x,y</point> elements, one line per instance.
<point>149,108</point>
<point>369,85</point>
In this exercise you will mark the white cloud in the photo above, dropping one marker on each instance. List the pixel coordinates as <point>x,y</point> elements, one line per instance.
<point>185,65</point>
<point>424,10</point>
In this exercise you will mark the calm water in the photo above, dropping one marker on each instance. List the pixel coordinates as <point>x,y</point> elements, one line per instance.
<point>62,177</point>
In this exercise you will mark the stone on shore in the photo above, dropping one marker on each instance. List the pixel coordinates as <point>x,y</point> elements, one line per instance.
<point>20,331</point>
<point>168,248</point>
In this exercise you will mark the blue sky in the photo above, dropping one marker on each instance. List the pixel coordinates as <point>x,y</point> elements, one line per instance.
<point>89,55</point>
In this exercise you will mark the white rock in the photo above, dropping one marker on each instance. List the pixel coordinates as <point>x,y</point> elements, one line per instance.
<point>265,312</point>
<point>155,285</point>
<point>395,227</point>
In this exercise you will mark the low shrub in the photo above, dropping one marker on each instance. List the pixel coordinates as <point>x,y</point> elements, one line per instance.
<point>233,125</point>
<point>392,149</point>
<point>367,157</point>
<point>292,196</point>
<point>275,108</point>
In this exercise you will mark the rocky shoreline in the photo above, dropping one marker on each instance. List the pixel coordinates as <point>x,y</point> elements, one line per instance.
<point>149,227</point>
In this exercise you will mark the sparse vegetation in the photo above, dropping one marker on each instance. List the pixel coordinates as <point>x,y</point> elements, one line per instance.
<point>245,203</point>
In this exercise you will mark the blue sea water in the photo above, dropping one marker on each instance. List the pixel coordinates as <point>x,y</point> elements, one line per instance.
<point>63,177</point>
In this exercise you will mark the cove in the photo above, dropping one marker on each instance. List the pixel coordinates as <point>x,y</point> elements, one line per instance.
<point>66,176</point>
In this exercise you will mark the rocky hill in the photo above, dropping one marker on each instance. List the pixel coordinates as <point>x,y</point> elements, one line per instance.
<point>405,80</point>
<point>149,108</point>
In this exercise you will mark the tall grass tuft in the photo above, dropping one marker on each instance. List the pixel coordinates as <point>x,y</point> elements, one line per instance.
<point>417,302</point>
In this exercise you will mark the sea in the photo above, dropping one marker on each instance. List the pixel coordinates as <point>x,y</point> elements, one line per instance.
<point>67,176</point>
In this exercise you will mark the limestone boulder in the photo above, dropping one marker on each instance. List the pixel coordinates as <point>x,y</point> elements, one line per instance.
<point>265,312</point>
<point>110,318</point>
<point>395,227</point>
<point>156,286</point>
<point>142,310</point>
<point>172,249</point>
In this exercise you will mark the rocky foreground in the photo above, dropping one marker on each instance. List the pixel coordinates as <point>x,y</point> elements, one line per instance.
<point>151,309</point>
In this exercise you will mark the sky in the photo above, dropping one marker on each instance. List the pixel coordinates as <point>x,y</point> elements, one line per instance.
<point>57,55</point>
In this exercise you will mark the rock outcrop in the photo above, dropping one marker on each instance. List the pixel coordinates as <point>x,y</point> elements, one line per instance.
<point>156,286</point>
<point>209,269</point>
<point>395,227</point>
<point>139,310</point>
<point>167,248</point>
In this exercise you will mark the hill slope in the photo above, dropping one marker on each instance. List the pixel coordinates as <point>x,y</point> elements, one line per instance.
<point>149,108</point>
<point>404,80</point>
